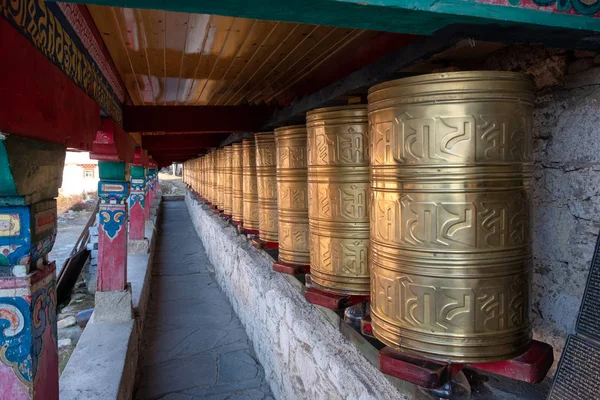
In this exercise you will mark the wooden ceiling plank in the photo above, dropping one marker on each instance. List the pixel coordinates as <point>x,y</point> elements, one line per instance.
<point>259,49</point>
<point>130,38</point>
<point>320,34</point>
<point>144,44</point>
<point>240,34</point>
<point>218,35</point>
<point>110,32</point>
<point>202,26</point>
<point>287,50</point>
<point>255,35</point>
<point>243,29</point>
<point>154,25</point>
<point>270,58</point>
<point>317,57</point>
<point>176,35</point>
<point>383,69</point>
<point>210,78</point>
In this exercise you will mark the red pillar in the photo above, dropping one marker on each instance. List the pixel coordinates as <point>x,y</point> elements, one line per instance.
<point>113,189</point>
<point>137,198</point>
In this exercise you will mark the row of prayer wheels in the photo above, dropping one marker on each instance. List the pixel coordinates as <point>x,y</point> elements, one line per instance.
<point>420,199</point>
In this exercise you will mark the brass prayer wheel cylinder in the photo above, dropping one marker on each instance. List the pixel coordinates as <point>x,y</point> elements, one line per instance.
<point>250,185</point>
<point>237,183</point>
<point>213,177</point>
<point>338,192</point>
<point>451,165</point>
<point>292,194</point>
<point>227,188</point>
<point>220,179</point>
<point>209,176</point>
<point>266,174</point>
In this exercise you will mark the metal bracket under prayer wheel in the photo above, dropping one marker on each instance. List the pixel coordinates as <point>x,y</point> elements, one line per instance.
<point>531,366</point>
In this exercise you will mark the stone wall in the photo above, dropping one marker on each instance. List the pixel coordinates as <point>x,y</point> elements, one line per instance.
<point>303,354</point>
<point>566,201</point>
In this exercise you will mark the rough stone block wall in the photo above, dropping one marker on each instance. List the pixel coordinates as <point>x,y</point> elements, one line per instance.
<point>303,355</point>
<point>566,199</point>
<point>566,187</point>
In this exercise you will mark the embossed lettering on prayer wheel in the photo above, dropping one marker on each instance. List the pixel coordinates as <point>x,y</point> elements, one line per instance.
<point>250,184</point>
<point>451,165</point>
<point>266,173</point>
<point>292,197</point>
<point>338,187</point>
<point>227,180</point>
<point>237,183</point>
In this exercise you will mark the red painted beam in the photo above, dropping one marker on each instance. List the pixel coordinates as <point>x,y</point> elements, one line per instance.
<point>39,101</point>
<point>181,141</point>
<point>199,119</point>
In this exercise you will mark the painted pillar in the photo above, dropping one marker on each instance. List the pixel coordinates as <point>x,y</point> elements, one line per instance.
<point>137,203</point>
<point>112,232</point>
<point>113,189</point>
<point>30,175</point>
<point>146,193</point>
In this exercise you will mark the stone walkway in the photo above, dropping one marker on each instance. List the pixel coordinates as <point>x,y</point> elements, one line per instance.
<point>194,344</point>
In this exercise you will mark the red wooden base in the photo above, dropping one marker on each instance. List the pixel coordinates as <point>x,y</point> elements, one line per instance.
<point>216,211</point>
<point>422,372</point>
<point>290,269</point>
<point>332,301</point>
<point>236,223</point>
<point>262,244</point>
<point>531,366</point>
<point>245,231</point>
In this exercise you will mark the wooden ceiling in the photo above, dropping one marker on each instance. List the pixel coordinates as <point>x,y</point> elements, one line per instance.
<point>172,58</point>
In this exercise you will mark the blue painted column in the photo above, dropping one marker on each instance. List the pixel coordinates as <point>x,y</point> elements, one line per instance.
<point>30,175</point>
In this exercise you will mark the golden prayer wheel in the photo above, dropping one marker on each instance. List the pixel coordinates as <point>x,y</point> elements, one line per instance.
<point>250,185</point>
<point>451,164</point>
<point>292,197</point>
<point>266,173</point>
<point>237,183</point>
<point>227,188</point>
<point>213,176</point>
<point>218,187</point>
<point>221,166</point>
<point>208,166</point>
<point>338,192</point>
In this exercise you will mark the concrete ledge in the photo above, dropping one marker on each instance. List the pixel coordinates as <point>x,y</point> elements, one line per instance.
<point>307,352</point>
<point>104,363</point>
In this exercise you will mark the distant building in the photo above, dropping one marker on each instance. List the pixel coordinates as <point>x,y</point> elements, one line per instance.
<point>80,174</point>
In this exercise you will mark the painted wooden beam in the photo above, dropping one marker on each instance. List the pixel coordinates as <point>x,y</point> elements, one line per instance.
<point>37,100</point>
<point>406,16</point>
<point>155,143</point>
<point>199,119</point>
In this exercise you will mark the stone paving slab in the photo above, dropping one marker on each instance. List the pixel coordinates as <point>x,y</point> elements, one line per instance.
<point>194,346</point>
